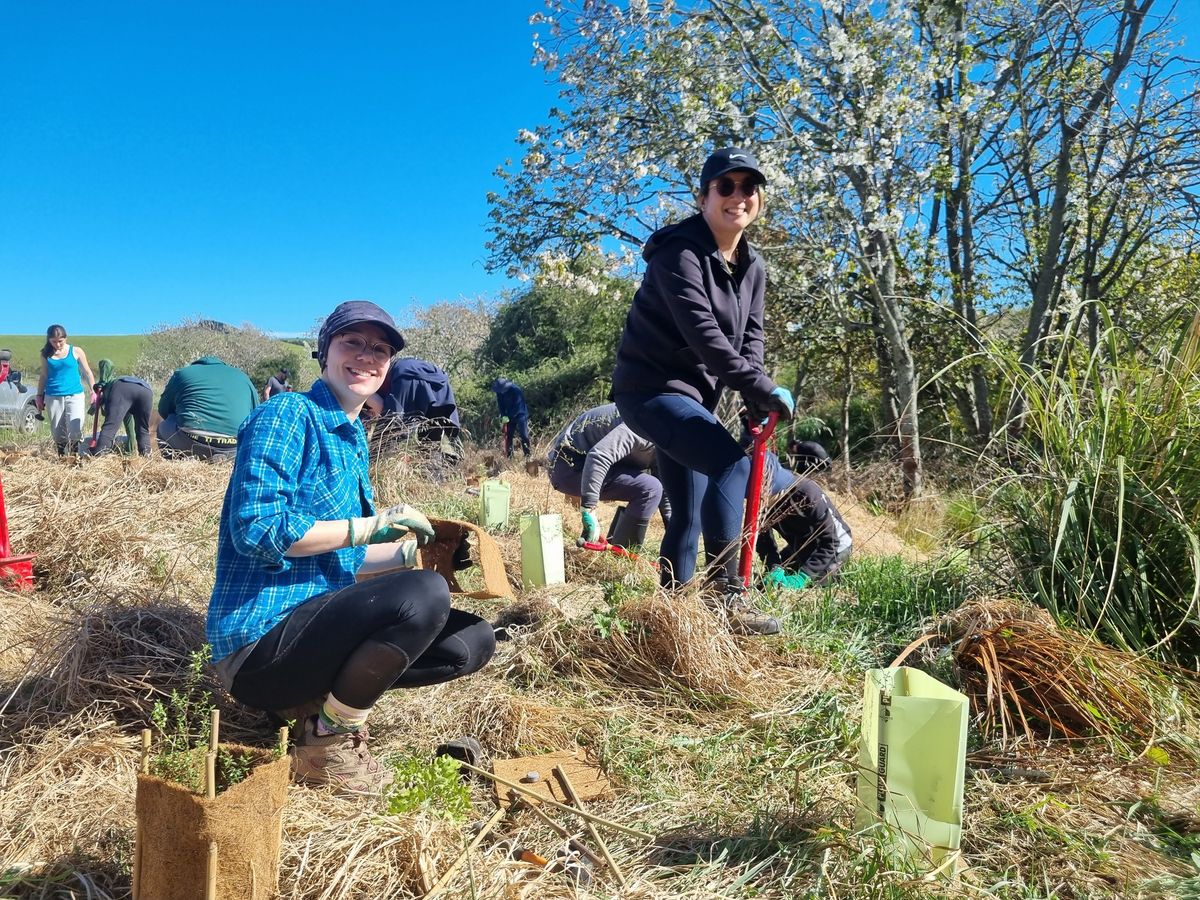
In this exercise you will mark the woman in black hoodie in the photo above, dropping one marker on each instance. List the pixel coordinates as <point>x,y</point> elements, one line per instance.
<point>695,328</point>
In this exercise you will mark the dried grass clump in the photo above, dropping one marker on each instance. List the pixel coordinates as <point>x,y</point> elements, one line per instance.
<point>1029,677</point>
<point>659,642</point>
<point>123,654</point>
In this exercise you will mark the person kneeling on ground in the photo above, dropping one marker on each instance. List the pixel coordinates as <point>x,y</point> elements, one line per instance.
<point>596,457</point>
<point>202,407</point>
<point>817,540</point>
<point>289,625</point>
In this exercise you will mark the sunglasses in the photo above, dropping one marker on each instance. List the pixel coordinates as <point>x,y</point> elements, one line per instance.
<point>357,345</point>
<point>726,186</point>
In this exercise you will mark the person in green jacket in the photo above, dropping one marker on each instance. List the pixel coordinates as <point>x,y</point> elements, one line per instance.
<point>202,407</point>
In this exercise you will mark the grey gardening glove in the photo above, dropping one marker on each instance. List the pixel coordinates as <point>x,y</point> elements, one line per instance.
<point>391,525</point>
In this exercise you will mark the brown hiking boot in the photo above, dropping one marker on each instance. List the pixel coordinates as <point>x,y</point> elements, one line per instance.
<point>341,760</point>
<point>743,617</point>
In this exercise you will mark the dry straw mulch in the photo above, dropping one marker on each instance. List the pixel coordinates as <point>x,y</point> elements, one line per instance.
<point>674,707</point>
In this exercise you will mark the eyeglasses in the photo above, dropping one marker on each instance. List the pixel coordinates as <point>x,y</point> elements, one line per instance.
<point>726,186</point>
<point>358,345</point>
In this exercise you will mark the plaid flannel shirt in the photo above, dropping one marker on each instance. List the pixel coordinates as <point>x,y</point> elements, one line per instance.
<point>299,460</point>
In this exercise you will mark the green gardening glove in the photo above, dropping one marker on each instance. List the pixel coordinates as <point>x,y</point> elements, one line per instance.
<point>391,525</point>
<point>504,420</point>
<point>781,579</point>
<point>591,528</point>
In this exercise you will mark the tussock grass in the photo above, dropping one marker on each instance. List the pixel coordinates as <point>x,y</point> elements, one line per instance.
<point>737,753</point>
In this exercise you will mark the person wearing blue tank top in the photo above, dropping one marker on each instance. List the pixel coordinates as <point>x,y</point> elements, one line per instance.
<point>64,375</point>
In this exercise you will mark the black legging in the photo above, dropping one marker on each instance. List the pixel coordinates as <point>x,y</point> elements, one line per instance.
<point>394,631</point>
<point>124,400</point>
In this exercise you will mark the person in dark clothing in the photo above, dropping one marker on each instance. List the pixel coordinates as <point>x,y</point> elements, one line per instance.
<point>123,400</point>
<point>513,413</point>
<point>277,384</point>
<point>817,540</point>
<point>419,392</point>
<point>808,457</point>
<point>694,329</point>
<point>596,457</point>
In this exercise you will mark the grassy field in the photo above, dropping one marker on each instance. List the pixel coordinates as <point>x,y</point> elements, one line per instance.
<point>737,754</point>
<point>122,349</point>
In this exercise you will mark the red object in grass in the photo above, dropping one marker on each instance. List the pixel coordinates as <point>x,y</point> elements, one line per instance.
<point>603,545</point>
<point>16,572</point>
<point>762,435</point>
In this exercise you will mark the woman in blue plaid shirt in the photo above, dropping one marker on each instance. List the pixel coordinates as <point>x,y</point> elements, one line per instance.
<point>288,621</point>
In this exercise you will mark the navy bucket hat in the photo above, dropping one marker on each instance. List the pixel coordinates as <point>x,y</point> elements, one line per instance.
<point>351,313</point>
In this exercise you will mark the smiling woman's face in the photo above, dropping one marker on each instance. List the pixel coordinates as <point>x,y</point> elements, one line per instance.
<point>728,216</point>
<point>357,364</point>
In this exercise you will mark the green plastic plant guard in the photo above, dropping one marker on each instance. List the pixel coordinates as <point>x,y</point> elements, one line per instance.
<point>493,504</point>
<point>542,559</point>
<point>912,761</point>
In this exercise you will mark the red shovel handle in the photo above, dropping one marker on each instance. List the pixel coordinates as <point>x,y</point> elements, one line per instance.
<point>762,435</point>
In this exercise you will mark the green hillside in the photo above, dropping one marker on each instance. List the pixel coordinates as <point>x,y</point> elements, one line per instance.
<point>122,349</point>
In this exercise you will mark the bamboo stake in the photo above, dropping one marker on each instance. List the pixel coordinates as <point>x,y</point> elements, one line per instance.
<point>462,858</point>
<point>210,775</point>
<point>214,726</point>
<point>573,844</point>
<point>283,739</point>
<point>550,801</point>
<point>210,888</point>
<point>145,751</point>
<point>561,773</point>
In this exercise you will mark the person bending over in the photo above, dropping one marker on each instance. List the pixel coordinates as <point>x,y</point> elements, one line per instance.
<point>596,457</point>
<point>816,539</point>
<point>288,622</point>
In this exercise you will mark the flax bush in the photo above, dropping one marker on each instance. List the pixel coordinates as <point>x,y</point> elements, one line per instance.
<point>1101,512</point>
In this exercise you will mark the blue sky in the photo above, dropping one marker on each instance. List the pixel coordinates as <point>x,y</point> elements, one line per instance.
<point>252,161</point>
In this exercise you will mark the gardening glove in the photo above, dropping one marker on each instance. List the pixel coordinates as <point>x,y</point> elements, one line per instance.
<point>591,528</point>
<point>781,402</point>
<point>780,578</point>
<point>389,525</point>
<point>406,555</point>
<point>504,420</point>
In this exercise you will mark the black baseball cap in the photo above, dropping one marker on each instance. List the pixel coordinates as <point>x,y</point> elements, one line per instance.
<point>351,313</point>
<point>810,455</point>
<point>729,159</point>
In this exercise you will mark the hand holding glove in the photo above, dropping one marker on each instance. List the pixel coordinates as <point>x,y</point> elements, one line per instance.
<point>591,528</point>
<point>390,525</point>
<point>39,401</point>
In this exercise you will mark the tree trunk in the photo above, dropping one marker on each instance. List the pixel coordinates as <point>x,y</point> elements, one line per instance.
<point>882,258</point>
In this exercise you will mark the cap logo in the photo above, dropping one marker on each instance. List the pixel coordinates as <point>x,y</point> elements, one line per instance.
<point>737,156</point>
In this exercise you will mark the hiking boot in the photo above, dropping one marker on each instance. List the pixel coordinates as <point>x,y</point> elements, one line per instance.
<point>743,617</point>
<point>341,760</point>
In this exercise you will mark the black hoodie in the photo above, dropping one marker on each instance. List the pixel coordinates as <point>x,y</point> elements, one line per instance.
<point>694,325</point>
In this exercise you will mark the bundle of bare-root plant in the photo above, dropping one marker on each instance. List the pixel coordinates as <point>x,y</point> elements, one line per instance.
<point>1031,678</point>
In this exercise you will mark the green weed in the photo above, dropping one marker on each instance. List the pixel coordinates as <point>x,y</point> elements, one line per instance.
<point>431,786</point>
